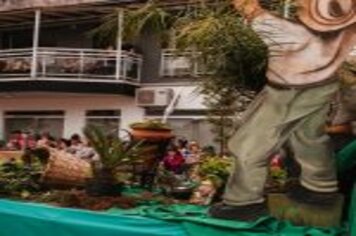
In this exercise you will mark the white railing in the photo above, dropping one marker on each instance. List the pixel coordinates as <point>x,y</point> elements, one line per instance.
<point>69,63</point>
<point>175,63</point>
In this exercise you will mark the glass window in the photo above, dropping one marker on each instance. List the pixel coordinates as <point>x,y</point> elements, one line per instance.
<point>191,129</point>
<point>107,120</point>
<point>35,122</point>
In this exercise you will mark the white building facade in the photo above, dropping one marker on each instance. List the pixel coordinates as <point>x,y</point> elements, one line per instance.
<point>55,78</point>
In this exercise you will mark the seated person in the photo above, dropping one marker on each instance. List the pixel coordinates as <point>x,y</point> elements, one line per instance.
<point>173,161</point>
<point>14,141</point>
<point>75,144</point>
<point>194,153</point>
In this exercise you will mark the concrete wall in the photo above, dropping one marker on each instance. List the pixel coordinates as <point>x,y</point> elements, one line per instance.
<point>73,105</point>
<point>189,97</point>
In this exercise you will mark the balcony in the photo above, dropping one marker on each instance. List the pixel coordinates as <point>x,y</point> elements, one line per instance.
<point>176,63</point>
<point>64,64</point>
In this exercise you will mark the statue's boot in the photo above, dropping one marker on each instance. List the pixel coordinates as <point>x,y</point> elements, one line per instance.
<point>300,194</point>
<point>239,213</point>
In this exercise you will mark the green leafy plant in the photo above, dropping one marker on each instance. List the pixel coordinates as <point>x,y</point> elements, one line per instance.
<point>114,154</point>
<point>216,169</point>
<point>17,179</point>
<point>232,54</point>
<point>277,180</point>
<point>278,174</point>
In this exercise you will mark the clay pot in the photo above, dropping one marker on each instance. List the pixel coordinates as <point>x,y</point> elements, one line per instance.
<point>339,129</point>
<point>152,135</point>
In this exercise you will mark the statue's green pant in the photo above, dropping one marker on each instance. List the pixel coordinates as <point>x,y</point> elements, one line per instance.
<point>278,116</point>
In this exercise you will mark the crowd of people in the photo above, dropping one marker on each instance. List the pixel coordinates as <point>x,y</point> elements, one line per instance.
<point>180,154</point>
<point>75,145</point>
<point>183,155</point>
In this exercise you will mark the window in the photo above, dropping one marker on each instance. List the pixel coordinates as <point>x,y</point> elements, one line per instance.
<point>35,122</point>
<point>177,64</point>
<point>107,120</point>
<point>192,129</point>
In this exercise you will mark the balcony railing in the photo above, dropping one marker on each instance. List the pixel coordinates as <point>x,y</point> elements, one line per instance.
<point>178,64</point>
<point>70,64</point>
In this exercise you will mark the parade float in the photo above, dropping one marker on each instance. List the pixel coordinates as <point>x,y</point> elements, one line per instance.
<point>128,193</point>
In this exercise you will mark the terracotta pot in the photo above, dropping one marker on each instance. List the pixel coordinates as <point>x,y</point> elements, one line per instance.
<point>152,134</point>
<point>339,129</point>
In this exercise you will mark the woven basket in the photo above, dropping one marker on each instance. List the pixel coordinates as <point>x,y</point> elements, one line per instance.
<point>65,170</point>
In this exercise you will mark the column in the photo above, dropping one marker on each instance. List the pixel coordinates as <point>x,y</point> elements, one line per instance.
<point>36,34</point>
<point>120,21</point>
<point>74,122</point>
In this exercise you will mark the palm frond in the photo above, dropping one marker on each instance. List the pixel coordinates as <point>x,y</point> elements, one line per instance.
<point>113,151</point>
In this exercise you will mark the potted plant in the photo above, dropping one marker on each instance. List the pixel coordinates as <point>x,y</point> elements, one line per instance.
<point>113,153</point>
<point>213,173</point>
<point>151,130</point>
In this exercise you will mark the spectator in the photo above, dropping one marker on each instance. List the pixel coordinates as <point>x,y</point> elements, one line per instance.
<point>87,152</point>
<point>75,144</point>
<point>182,147</point>
<point>14,141</point>
<point>173,161</point>
<point>63,144</point>
<point>194,153</point>
<point>45,141</point>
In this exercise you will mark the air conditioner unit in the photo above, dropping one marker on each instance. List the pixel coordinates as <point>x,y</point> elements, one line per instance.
<point>154,97</point>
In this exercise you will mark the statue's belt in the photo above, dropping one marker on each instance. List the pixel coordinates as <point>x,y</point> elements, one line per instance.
<point>279,86</point>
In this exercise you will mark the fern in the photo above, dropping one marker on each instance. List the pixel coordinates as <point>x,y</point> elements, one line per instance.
<point>113,151</point>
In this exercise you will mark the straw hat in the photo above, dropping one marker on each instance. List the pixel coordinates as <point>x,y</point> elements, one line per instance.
<point>328,15</point>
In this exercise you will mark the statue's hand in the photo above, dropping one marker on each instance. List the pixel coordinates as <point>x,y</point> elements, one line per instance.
<point>248,8</point>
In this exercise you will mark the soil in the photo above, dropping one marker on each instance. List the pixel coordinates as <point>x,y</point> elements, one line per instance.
<point>79,199</point>
<point>83,201</point>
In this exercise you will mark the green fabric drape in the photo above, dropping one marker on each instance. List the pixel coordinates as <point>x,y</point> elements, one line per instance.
<point>194,220</point>
<point>346,158</point>
<point>28,219</point>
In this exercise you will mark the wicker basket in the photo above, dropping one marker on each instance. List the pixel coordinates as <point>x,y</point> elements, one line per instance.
<point>65,170</point>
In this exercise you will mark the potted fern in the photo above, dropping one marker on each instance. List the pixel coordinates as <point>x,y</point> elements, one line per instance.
<point>114,154</point>
<point>151,130</point>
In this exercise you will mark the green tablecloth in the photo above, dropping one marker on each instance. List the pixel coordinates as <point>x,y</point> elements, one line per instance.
<point>28,219</point>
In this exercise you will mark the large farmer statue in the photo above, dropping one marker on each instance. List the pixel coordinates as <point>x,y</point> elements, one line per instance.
<point>305,52</point>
